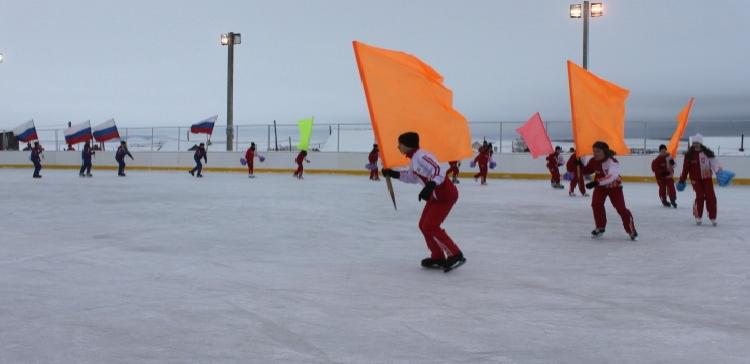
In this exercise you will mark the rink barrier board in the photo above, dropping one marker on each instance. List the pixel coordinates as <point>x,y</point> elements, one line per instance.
<point>466,175</point>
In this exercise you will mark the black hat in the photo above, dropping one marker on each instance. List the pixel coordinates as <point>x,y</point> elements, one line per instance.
<point>662,147</point>
<point>409,139</point>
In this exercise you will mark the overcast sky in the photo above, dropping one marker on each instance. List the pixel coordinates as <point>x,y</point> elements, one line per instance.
<point>148,62</point>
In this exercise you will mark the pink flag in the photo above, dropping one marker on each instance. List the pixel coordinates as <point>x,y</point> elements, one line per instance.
<point>535,137</point>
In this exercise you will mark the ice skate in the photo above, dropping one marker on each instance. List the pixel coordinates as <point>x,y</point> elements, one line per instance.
<point>597,233</point>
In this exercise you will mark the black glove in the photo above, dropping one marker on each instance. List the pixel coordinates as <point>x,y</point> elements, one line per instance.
<point>671,162</point>
<point>579,162</point>
<point>426,192</point>
<point>391,173</point>
<point>592,184</point>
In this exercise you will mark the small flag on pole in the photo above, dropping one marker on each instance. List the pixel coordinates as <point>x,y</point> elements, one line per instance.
<point>106,131</point>
<point>78,133</point>
<point>26,132</point>
<point>305,132</point>
<point>535,136</point>
<point>204,126</point>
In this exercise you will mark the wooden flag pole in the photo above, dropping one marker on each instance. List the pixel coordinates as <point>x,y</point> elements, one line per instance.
<point>390,191</point>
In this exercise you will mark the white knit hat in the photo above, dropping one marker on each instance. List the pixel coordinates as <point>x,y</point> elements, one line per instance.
<point>697,138</point>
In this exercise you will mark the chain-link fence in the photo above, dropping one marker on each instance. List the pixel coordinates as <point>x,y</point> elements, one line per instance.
<point>643,137</point>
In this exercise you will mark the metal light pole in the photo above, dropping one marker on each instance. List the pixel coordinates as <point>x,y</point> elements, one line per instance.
<point>229,40</point>
<point>586,11</point>
<point>1,58</point>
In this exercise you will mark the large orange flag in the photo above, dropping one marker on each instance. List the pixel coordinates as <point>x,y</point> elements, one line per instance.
<point>405,94</point>
<point>682,121</point>
<point>598,111</point>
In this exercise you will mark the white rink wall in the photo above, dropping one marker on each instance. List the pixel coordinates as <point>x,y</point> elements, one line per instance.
<point>509,165</point>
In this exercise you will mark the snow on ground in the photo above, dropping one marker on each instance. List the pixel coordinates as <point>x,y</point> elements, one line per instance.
<point>162,267</point>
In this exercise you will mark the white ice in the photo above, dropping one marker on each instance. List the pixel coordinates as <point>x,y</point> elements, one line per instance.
<point>162,267</point>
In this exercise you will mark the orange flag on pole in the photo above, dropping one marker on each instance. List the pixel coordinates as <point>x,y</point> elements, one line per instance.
<point>536,137</point>
<point>405,94</point>
<point>682,121</point>
<point>598,111</point>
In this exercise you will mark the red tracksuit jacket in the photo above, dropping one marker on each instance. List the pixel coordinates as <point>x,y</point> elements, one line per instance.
<point>662,168</point>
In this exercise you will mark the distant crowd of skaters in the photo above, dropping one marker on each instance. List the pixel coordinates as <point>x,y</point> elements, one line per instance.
<point>699,165</point>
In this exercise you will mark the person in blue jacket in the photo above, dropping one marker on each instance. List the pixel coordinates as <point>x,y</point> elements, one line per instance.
<point>200,153</point>
<point>36,158</point>
<point>86,156</point>
<point>122,151</point>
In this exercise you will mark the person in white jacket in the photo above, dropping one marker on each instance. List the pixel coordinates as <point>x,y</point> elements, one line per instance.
<point>439,193</point>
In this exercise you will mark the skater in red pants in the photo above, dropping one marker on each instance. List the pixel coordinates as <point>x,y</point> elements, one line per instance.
<point>663,167</point>
<point>373,159</point>
<point>250,158</point>
<point>439,193</point>
<point>554,161</point>
<point>607,183</point>
<point>482,160</point>
<point>453,171</point>
<point>301,157</point>
<point>576,177</point>
<point>700,164</point>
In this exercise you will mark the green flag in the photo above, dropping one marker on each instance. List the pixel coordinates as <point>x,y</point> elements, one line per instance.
<point>305,131</point>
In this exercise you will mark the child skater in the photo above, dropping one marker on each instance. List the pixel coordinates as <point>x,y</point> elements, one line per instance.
<point>200,153</point>
<point>554,161</point>
<point>607,183</point>
<point>36,159</point>
<point>576,177</point>
<point>700,164</point>
<point>250,159</point>
<point>86,156</point>
<point>440,195</point>
<point>663,167</point>
<point>482,159</point>
<point>122,151</point>
<point>301,157</point>
<point>453,171</point>
<point>373,159</point>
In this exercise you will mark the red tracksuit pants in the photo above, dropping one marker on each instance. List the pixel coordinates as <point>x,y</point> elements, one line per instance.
<point>482,172</point>
<point>555,175</point>
<point>704,194</point>
<point>300,169</point>
<point>577,180</point>
<point>435,211</point>
<point>617,198</point>
<point>250,169</point>
<point>666,187</point>
<point>374,175</point>
<point>453,172</point>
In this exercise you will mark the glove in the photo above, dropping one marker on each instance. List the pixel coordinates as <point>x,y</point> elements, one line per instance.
<point>579,162</point>
<point>426,192</point>
<point>391,173</point>
<point>243,161</point>
<point>671,162</point>
<point>681,186</point>
<point>592,184</point>
<point>261,158</point>
<point>493,164</point>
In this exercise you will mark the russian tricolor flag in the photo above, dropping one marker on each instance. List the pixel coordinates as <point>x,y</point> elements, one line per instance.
<point>106,131</point>
<point>78,133</point>
<point>205,126</point>
<point>26,132</point>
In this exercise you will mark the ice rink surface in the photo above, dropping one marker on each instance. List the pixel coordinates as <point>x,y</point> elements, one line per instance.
<point>162,267</point>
